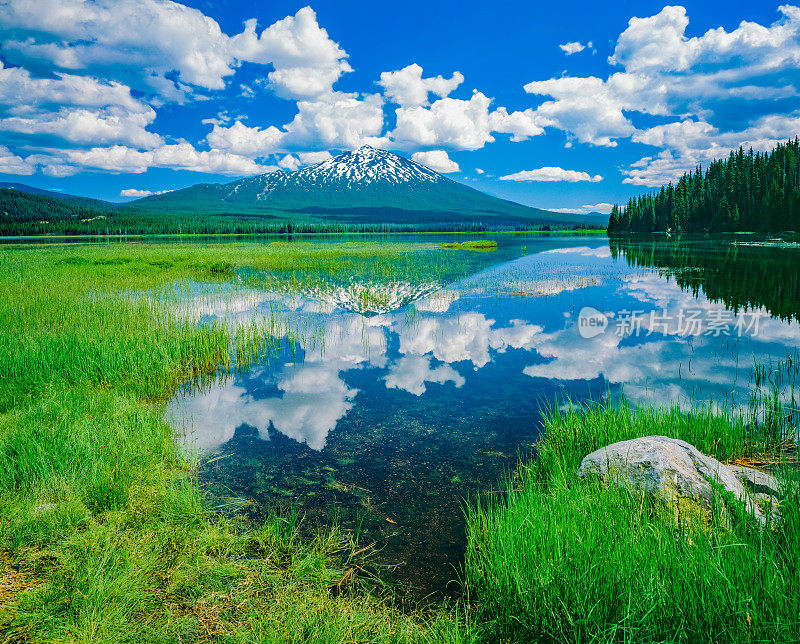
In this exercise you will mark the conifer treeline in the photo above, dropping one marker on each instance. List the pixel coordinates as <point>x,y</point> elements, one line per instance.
<point>748,191</point>
<point>22,213</point>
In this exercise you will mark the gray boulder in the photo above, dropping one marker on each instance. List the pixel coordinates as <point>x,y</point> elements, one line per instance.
<point>670,469</point>
<point>766,489</point>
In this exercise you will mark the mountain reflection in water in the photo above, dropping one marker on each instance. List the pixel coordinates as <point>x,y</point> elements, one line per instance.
<point>405,410</point>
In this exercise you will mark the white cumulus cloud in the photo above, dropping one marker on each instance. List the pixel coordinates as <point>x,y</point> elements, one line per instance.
<point>119,158</point>
<point>289,162</point>
<point>73,108</point>
<point>97,52</point>
<point>79,125</point>
<point>244,140</point>
<point>586,108</point>
<point>718,90</point>
<point>311,158</point>
<point>19,88</point>
<point>138,194</point>
<point>549,173</point>
<point>406,86</point>
<point>436,160</point>
<point>141,42</point>
<point>137,42</point>
<point>602,208</point>
<point>10,163</point>
<point>338,120</point>
<point>687,144</point>
<point>95,75</point>
<point>450,122</point>
<point>460,124</point>
<point>306,61</point>
<point>520,125</point>
<point>570,48</point>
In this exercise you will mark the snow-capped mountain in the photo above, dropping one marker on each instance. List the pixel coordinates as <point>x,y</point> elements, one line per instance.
<point>368,165</point>
<point>363,186</point>
<point>352,170</point>
<point>365,174</point>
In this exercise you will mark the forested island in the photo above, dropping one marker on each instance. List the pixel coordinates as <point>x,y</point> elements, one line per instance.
<point>748,191</point>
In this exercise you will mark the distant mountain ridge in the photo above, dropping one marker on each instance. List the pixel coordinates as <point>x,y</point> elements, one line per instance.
<point>364,185</point>
<point>21,187</point>
<point>364,190</point>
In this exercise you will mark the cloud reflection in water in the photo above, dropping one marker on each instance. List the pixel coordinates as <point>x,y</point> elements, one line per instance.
<point>457,331</point>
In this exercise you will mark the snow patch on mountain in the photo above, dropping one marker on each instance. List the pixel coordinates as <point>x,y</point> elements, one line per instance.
<point>359,169</point>
<point>368,165</point>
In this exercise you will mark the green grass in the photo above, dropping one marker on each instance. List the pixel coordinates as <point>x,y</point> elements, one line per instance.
<point>104,536</point>
<point>473,244</point>
<point>561,560</point>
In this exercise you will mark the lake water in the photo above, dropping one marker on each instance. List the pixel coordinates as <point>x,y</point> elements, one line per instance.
<point>397,409</point>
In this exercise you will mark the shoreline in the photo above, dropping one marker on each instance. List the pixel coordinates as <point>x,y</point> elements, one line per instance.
<point>104,519</point>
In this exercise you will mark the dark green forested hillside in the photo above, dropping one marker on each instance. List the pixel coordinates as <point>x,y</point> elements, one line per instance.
<point>748,191</point>
<point>31,213</point>
<point>23,213</point>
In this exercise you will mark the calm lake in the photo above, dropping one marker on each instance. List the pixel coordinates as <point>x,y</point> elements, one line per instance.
<point>399,401</point>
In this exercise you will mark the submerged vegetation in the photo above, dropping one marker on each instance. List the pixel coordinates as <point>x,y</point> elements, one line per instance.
<point>106,534</point>
<point>748,191</point>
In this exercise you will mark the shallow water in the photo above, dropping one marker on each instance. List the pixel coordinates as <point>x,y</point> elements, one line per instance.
<point>399,408</point>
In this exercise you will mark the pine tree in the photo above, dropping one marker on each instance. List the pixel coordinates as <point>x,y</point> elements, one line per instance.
<point>749,191</point>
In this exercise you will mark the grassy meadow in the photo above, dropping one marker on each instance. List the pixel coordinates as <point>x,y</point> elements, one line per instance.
<point>105,535</point>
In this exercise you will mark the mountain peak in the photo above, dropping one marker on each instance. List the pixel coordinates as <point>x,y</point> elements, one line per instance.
<point>367,152</point>
<point>368,165</point>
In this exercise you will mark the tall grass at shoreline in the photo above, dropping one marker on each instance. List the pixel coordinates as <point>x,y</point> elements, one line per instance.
<point>104,534</point>
<point>563,560</point>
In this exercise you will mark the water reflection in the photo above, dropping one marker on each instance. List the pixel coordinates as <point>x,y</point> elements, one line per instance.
<point>407,399</point>
<point>305,397</point>
<point>739,274</point>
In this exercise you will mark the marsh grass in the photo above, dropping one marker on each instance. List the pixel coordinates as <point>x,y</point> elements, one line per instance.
<point>472,244</point>
<point>775,396</point>
<point>105,534</point>
<point>557,559</point>
<point>98,504</point>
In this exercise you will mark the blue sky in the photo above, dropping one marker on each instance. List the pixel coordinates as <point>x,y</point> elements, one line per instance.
<point>571,106</point>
